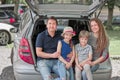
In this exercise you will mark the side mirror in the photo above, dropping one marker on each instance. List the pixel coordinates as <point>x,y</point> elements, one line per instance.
<point>14,30</point>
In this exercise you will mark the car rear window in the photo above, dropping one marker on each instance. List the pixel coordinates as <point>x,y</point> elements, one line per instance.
<point>2,14</point>
<point>82,2</point>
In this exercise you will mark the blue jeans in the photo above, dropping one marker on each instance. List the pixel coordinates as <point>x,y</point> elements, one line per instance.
<point>93,69</point>
<point>46,67</point>
<point>63,71</point>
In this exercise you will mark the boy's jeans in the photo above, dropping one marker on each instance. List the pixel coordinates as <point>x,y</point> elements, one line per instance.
<point>46,67</point>
<point>93,69</point>
<point>65,73</point>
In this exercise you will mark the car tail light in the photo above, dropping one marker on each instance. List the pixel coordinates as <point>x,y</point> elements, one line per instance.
<point>12,20</point>
<point>25,52</point>
<point>21,11</point>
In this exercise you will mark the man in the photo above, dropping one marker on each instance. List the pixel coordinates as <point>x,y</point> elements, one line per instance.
<point>46,47</point>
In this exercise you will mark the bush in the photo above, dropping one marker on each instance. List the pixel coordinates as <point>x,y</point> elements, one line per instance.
<point>116,28</point>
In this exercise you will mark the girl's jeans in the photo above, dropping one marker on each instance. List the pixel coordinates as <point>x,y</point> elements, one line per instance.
<point>63,72</point>
<point>46,67</point>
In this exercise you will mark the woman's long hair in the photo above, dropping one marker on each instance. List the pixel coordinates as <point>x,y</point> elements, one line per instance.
<point>102,40</point>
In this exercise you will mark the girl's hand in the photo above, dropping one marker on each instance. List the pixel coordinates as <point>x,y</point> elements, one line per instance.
<point>68,65</point>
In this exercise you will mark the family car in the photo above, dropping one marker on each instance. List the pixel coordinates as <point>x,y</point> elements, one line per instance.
<point>74,13</point>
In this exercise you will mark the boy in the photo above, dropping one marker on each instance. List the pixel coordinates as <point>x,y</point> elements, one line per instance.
<point>83,55</point>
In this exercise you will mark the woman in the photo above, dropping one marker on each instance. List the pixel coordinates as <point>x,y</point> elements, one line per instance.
<point>99,42</point>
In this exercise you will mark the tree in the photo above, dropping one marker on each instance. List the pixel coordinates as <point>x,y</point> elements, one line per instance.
<point>111,4</point>
<point>117,3</point>
<point>2,1</point>
<point>16,6</point>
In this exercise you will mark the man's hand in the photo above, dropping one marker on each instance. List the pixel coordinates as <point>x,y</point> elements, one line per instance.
<point>70,55</point>
<point>55,55</point>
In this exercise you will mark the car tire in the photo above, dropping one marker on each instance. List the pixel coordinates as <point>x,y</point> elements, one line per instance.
<point>4,38</point>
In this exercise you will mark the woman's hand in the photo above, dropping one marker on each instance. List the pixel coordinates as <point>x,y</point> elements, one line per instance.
<point>90,63</point>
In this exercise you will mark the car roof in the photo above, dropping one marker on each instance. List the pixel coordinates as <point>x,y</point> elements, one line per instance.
<point>65,7</point>
<point>10,6</point>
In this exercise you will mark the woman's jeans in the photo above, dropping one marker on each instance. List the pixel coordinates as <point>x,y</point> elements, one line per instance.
<point>93,69</point>
<point>46,67</point>
<point>65,73</point>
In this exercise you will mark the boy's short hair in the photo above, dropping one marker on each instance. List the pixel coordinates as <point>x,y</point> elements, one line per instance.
<point>84,33</point>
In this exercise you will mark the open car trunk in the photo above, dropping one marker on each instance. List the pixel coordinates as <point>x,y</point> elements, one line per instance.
<point>77,24</point>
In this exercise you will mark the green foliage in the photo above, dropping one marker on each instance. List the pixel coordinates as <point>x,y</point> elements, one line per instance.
<point>114,37</point>
<point>111,4</point>
<point>12,1</point>
<point>116,28</point>
<point>117,3</point>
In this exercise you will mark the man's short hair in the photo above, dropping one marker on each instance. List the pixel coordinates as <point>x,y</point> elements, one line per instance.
<point>53,18</point>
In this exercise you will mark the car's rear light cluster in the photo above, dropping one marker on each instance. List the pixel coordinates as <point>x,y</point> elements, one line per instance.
<point>21,11</point>
<point>12,20</point>
<point>25,52</point>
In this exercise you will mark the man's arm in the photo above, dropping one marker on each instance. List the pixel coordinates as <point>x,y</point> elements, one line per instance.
<point>42,54</point>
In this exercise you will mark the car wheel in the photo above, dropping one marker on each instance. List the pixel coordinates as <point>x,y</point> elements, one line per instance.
<point>4,38</point>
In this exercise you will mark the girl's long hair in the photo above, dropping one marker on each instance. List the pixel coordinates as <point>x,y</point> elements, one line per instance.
<point>102,40</point>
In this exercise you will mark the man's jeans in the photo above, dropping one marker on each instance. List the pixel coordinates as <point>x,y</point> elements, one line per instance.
<point>46,67</point>
<point>93,69</point>
<point>65,73</point>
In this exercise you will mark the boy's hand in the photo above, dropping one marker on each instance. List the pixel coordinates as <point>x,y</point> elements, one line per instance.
<point>82,63</point>
<point>80,67</point>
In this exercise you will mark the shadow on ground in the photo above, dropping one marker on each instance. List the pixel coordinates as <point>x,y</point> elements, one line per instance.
<point>7,74</point>
<point>115,78</point>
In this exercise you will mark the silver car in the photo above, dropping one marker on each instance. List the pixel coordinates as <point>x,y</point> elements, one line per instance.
<point>74,13</point>
<point>6,37</point>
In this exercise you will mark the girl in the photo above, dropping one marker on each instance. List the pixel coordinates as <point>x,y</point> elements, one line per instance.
<point>65,47</point>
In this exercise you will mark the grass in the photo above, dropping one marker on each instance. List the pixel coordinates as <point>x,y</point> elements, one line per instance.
<point>114,37</point>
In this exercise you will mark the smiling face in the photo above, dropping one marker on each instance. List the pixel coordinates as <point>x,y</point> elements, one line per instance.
<point>83,41</point>
<point>94,27</point>
<point>51,25</point>
<point>67,36</point>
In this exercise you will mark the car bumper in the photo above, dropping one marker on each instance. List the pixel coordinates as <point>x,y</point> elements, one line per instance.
<point>22,72</point>
<point>104,72</point>
<point>28,72</point>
